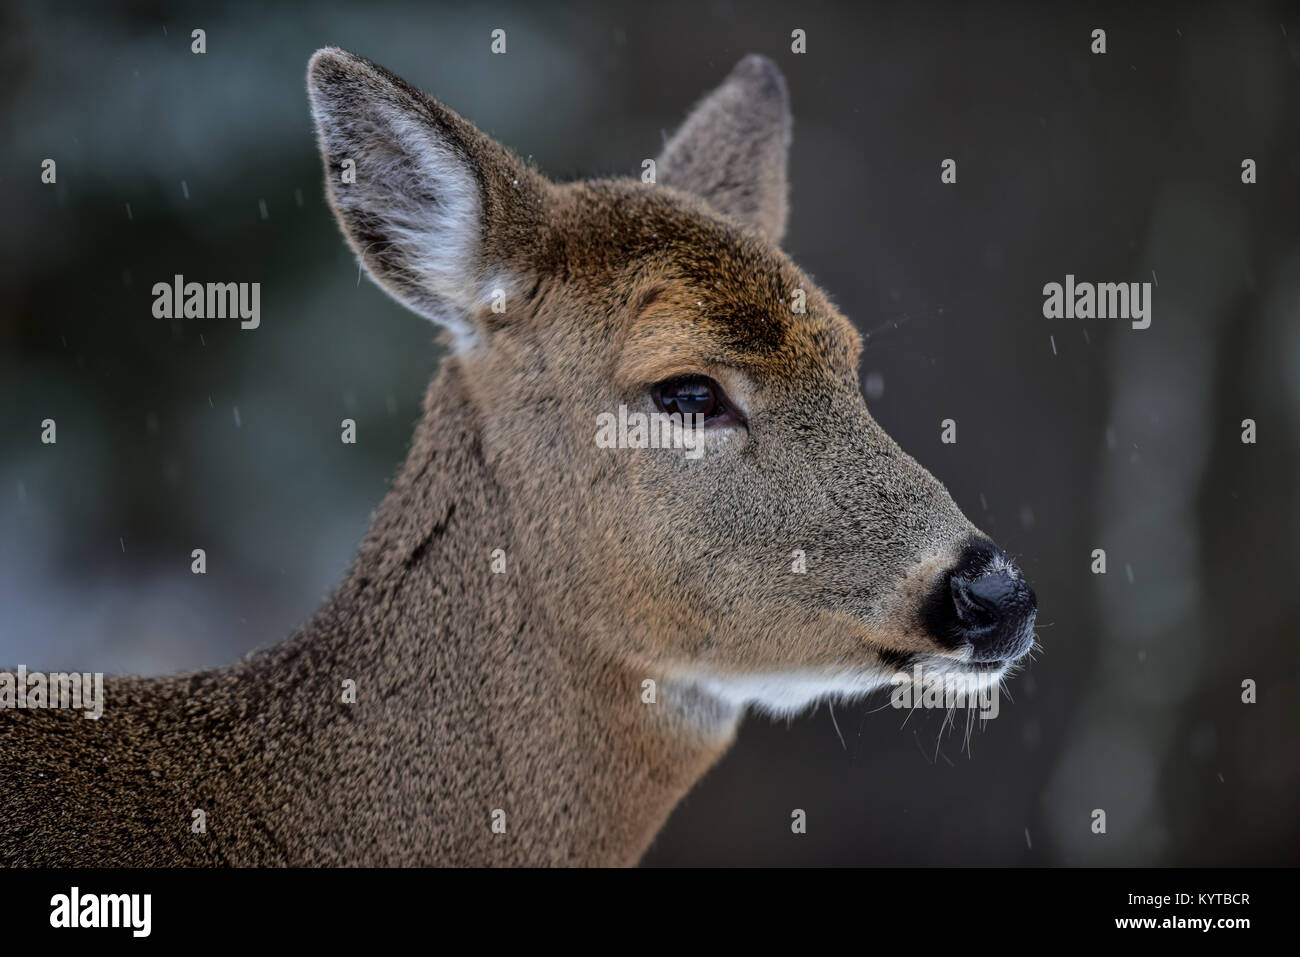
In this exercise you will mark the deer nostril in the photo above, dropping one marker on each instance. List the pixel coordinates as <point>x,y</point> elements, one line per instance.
<point>984,605</point>
<point>995,613</point>
<point>985,600</point>
<point>974,608</point>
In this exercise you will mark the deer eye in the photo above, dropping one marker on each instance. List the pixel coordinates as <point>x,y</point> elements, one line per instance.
<point>691,395</point>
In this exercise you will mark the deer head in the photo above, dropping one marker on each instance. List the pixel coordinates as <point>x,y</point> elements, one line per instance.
<point>800,553</point>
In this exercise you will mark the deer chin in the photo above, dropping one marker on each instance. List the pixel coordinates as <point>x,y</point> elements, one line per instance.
<point>974,675</point>
<point>784,694</point>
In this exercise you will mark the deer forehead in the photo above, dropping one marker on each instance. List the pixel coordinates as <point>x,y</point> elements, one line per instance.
<point>680,290</point>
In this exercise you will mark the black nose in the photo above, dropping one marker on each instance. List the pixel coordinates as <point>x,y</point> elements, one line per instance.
<point>982,603</point>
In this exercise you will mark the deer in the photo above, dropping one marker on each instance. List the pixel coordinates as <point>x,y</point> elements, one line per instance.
<point>547,642</point>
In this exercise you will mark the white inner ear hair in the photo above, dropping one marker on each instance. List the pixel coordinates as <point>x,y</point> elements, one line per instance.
<point>425,199</point>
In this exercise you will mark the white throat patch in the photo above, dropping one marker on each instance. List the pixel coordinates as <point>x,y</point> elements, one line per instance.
<point>785,694</point>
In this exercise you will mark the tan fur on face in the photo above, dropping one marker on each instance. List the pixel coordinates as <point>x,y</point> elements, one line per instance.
<point>689,564</point>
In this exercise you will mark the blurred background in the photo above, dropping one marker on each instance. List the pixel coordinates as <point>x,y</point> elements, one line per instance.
<point>1072,434</point>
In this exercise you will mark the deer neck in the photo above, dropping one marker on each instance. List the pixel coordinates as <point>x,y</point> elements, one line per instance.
<point>516,742</point>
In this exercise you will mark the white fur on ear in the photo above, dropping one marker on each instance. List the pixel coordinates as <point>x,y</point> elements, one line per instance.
<point>411,208</point>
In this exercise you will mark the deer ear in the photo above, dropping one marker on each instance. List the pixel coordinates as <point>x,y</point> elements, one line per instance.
<point>732,148</point>
<point>438,213</point>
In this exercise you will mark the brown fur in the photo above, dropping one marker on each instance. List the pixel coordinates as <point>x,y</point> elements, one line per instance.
<point>523,691</point>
